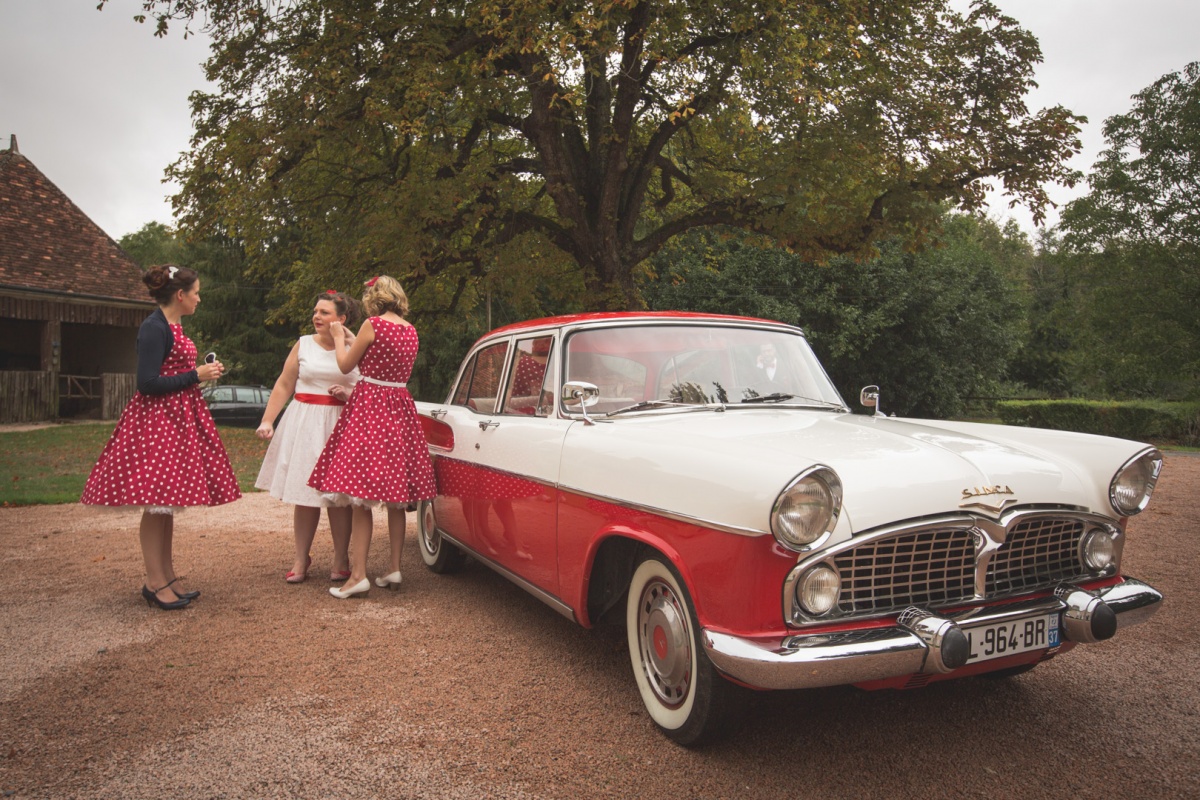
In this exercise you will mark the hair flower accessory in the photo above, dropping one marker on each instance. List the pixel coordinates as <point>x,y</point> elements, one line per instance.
<point>331,291</point>
<point>372,281</point>
<point>171,273</point>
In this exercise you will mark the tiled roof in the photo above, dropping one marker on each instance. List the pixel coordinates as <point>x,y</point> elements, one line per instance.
<point>48,244</point>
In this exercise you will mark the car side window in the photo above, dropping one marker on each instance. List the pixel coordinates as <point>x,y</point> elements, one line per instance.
<point>527,379</point>
<point>221,394</point>
<point>481,379</point>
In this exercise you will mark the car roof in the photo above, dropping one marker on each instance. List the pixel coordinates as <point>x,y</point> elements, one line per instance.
<point>603,316</point>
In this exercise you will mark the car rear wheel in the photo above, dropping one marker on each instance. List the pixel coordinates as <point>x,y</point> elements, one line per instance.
<point>681,689</point>
<point>438,554</point>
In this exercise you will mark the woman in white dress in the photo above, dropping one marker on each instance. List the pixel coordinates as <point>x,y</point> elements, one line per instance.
<point>311,379</point>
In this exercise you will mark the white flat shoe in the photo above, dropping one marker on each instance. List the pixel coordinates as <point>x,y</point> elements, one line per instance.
<point>362,587</point>
<point>389,581</point>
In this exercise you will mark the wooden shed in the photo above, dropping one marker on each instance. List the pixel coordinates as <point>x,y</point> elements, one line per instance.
<point>71,301</point>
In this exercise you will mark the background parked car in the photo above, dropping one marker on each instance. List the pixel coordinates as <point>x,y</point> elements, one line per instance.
<point>237,405</point>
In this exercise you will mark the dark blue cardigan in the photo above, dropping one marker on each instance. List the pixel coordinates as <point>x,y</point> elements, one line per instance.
<point>154,343</point>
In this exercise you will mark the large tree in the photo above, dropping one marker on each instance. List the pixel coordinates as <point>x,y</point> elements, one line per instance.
<point>456,140</point>
<point>1134,242</point>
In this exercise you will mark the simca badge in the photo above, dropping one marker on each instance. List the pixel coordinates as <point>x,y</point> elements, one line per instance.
<point>988,497</point>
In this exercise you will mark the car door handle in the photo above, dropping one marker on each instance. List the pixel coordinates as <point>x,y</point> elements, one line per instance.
<point>438,413</point>
<point>483,426</point>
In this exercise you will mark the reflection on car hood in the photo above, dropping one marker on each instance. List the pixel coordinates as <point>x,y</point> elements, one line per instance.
<point>729,467</point>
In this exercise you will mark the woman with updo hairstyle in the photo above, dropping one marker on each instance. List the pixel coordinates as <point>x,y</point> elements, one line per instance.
<point>376,455</point>
<point>165,453</point>
<point>318,391</point>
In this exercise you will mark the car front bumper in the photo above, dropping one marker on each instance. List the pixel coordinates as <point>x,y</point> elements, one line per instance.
<point>920,641</point>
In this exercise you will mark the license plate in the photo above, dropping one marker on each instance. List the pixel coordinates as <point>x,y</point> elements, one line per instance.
<point>1011,637</point>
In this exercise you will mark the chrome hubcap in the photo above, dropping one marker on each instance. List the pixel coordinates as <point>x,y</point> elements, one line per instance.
<point>429,535</point>
<point>666,643</point>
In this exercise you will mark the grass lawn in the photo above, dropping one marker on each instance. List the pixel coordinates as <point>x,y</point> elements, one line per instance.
<point>50,465</point>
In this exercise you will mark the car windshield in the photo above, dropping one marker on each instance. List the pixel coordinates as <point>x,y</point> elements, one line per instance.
<point>641,367</point>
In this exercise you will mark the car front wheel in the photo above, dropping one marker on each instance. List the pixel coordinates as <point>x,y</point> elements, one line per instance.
<point>681,689</point>
<point>438,554</point>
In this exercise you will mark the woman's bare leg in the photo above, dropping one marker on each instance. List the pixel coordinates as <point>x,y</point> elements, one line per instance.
<point>304,528</point>
<point>341,521</point>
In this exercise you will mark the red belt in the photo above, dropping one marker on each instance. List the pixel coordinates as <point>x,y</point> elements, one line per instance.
<point>319,399</point>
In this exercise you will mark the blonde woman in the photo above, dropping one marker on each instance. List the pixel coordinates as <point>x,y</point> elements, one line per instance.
<point>376,455</point>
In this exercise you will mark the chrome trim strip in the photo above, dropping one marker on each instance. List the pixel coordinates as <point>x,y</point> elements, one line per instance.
<point>690,520</point>
<point>539,593</point>
<point>809,661</point>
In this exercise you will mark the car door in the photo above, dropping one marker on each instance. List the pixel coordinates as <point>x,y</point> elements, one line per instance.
<point>503,474</point>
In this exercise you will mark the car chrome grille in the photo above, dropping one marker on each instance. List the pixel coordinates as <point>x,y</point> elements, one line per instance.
<point>1036,552</point>
<point>937,566</point>
<point>931,567</point>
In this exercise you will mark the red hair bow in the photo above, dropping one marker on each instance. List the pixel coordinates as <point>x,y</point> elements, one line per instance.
<point>331,291</point>
<point>372,281</point>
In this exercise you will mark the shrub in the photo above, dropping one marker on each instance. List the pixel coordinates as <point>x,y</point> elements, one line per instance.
<point>1140,419</point>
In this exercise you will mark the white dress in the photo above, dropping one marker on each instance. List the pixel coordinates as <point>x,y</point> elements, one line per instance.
<point>301,434</point>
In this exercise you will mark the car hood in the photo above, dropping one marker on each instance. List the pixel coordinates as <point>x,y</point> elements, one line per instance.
<point>729,467</point>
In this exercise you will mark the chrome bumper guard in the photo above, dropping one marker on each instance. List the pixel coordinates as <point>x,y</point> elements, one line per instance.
<point>921,641</point>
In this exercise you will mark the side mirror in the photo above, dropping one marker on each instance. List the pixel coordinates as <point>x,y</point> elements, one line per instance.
<point>579,395</point>
<point>869,398</point>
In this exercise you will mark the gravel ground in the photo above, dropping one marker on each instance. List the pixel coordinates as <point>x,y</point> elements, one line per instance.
<point>464,686</point>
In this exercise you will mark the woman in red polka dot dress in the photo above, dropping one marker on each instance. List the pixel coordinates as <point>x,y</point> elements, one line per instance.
<point>376,454</point>
<point>165,452</point>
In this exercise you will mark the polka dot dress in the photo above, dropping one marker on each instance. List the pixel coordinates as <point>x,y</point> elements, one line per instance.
<point>377,451</point>
<point>165,450</point>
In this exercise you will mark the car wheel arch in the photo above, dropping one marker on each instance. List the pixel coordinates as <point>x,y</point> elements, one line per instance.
<point>611,562</point>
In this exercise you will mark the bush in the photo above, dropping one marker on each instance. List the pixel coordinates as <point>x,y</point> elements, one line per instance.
<point>1141,419</point>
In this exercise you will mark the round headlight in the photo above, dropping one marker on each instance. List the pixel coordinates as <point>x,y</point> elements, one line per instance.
<point>818,589</point>
<point>1098,550</point>
<point>807,509</point>
<point>1133,484</point>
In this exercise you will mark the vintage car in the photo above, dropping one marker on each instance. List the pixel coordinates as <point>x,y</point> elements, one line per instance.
<point>701,476</point>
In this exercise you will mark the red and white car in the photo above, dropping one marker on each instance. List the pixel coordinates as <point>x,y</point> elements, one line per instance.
<point>700,475</point>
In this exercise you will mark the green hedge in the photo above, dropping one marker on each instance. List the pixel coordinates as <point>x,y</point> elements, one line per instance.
<point>1145,420</point>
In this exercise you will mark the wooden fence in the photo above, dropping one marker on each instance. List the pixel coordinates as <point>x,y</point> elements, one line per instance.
<point>27,396</point>
<point>116,390</point>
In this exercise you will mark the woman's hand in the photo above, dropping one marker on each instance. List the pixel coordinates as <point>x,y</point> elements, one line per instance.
<point>338,331</point>
<point>210,372</point>
<point>339,391</point>
<point>265,431</point>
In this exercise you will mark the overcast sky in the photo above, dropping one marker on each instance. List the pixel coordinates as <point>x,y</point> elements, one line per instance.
<point>100,106</point>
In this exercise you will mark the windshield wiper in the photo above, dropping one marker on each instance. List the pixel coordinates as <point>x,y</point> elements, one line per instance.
<point>779,397</point>
<point>769,398</point>
<point>658,404</point>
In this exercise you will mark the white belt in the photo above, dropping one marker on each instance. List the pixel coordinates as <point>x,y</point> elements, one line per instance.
<point>378,382</point>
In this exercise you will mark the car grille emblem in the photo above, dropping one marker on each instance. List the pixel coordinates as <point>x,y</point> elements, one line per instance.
<point>989,498</point>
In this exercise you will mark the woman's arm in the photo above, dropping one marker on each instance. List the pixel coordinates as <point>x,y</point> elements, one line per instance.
<point>285,387</point>
<point>348,359</point>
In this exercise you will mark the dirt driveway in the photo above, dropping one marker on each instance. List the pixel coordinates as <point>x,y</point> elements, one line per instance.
<point>464,686</point>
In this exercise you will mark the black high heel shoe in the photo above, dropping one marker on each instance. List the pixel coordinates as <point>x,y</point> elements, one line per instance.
<point>152,599</point>
<point>183,595</point>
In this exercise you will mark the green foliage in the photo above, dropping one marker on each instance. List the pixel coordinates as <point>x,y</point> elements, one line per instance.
<point>931,328</point>
<point>453,144</point>
<point>232,317</point>
<point>1144,420</point>
<point>1133,243</point>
